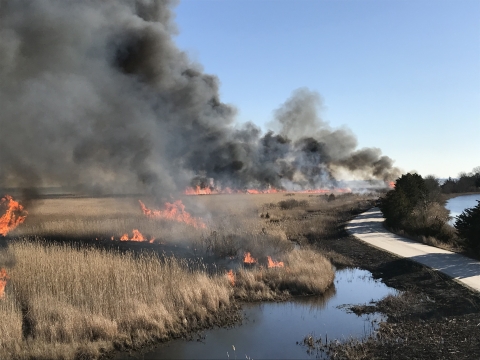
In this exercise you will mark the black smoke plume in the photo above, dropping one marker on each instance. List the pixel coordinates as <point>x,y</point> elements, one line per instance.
<point>96,94</point>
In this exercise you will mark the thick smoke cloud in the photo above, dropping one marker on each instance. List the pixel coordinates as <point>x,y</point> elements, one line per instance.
<point>96,94</point>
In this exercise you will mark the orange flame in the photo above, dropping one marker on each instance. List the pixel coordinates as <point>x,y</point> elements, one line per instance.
<point>207,191</point>
<point>231,277</point>
<point>137,236</point>
<point>173,211</point>
<point>198,191</point>
<point>249,259</point>
<point>3,282</point>
<point>14,215</point>
<point>273,263</point>
<point>391,184</point>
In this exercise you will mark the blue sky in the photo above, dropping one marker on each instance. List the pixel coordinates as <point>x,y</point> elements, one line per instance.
<point>403,75</point>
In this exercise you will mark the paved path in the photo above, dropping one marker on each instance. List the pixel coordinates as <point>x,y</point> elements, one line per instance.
<point>368,227</point>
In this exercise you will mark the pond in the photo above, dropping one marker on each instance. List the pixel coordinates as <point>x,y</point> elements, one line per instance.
<point>457,204</point>
<point>272,330</point>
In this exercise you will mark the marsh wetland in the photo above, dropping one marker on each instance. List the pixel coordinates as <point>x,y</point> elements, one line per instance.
<point>280,330</point>
<point>266,276</point>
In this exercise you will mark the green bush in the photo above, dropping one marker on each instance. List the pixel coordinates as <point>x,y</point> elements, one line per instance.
<point>468,226</point>
<point>415,206</point>
<point>410,191</point>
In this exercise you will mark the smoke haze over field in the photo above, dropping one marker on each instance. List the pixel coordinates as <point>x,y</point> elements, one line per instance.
<point>97,93</point>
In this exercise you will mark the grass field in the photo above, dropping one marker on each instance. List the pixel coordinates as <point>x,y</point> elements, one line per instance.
<point>81,297</point>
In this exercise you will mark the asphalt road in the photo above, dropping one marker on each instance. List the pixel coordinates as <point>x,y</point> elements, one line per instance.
<point>368,228</point>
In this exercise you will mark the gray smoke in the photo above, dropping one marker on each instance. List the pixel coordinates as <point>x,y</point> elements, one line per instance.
<point>96,94</point>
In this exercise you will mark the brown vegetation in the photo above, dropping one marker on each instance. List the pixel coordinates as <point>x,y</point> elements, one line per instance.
<point>70,300</point>
<point>305,272</point>
<point>61,298</point>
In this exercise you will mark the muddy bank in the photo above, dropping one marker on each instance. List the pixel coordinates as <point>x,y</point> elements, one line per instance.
<point>436,318</point>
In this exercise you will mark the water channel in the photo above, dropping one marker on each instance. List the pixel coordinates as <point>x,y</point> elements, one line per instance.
<point>272,330</point>
<point>457,204</point>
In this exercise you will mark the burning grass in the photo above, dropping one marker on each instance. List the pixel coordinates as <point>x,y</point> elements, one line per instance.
<point>303,272</point>
<point>173,211</point>
<point>12,214</point>
<point>102,218</point>
<point>67,301</point>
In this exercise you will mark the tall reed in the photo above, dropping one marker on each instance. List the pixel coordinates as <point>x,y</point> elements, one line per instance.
<point>62,295</point>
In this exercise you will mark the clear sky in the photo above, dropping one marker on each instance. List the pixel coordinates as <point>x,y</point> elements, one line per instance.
<point>404,75</point>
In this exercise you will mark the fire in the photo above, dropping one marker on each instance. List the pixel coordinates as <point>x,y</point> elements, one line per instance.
<point>391,184</point>
<point>137,236</point>
<point>208,191</point>
<point>198,191</point>
<point>173,211</point>
<point>249,259</point>
<point>3,282</point>
<point>273,263</point>
<point>231,277</point>
<point>14,215</point>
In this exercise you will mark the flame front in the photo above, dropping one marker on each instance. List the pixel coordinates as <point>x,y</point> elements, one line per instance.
<point>137,236</point>
<point>173,211</point>
<point>199,191</point>
<point>3,282</point>
<point>273,263</point>
<point>249,259</point>
<point>14,215</point>
<point>208,191</point>
<point>231,277</point>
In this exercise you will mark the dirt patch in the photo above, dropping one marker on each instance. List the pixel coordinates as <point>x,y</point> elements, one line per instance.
<point>433,318</point>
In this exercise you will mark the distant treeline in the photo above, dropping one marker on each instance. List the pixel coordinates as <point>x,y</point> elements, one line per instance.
<point>465,183</point>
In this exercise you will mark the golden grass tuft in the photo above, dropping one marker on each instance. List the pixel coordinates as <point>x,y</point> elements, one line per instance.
<point>61,295</point>
<point>305,272</point>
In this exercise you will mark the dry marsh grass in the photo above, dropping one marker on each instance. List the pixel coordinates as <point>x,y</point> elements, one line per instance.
<point>101,218</point>
<point>68,301</point>
<point>304,272</point>
<point>63,296</point>
<point>65,302</point>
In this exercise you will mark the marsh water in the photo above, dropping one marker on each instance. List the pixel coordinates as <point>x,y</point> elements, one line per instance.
<point>457,204</point>
<point>272,330</point>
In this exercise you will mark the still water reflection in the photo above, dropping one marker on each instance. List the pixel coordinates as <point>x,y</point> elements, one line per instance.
<point>457,204</point>
<point>271,330</point>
